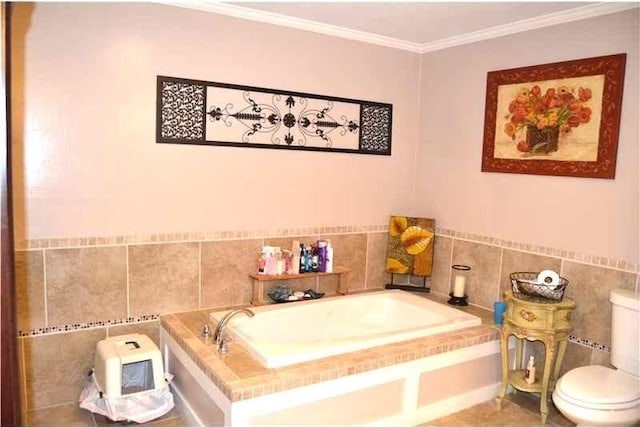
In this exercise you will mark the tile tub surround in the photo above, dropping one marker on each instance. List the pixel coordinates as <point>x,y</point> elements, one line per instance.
<point>244,381</point>
<point>220,285</point>
<point>240,376</point>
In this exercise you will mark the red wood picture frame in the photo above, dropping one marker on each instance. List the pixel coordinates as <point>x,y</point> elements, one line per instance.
<point>560,119</point>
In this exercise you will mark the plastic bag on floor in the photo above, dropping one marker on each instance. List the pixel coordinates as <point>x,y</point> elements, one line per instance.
<point>139,407</point>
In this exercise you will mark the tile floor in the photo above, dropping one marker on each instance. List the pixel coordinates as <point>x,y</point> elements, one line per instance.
<point>519,409</point>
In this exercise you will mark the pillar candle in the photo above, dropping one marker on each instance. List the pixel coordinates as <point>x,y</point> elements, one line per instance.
<point>458,286</point>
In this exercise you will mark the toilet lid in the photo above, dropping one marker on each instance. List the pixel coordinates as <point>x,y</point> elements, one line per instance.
<point>599,385</point>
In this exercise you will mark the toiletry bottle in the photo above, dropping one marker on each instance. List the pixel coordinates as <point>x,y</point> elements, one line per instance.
<point>262,260</point>
<point>269,262</point>
<point>314,258</point>
<point>530,372</point>
<point>322,256</point>
<point>295,250</point>
<point>295,264</point>
<point>329,262</point>
<point>288,261</point>
<point>307,260</point>
<point>303,260</point>
<point>279,261</point>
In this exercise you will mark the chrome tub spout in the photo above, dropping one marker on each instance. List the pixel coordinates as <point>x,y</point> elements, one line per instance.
<point>218,334</point>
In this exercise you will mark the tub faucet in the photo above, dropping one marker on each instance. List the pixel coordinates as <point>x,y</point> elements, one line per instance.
<point>217,335</point>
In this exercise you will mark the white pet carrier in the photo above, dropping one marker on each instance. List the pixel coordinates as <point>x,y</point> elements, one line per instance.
<point>128,380</point>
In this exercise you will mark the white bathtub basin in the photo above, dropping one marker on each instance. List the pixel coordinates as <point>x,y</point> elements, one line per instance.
<point>284,334</point>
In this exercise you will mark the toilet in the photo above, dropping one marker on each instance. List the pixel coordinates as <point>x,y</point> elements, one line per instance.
<point>601,396</point>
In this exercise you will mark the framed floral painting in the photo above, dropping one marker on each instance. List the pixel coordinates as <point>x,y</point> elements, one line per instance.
<point>555,119</point>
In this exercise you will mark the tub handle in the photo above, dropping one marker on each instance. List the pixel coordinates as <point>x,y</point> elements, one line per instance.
<point>206,331</point>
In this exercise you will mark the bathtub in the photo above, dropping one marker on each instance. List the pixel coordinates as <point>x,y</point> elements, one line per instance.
<point>284,334</point>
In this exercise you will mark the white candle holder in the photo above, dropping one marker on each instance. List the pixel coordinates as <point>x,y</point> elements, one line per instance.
<point>460,278</point>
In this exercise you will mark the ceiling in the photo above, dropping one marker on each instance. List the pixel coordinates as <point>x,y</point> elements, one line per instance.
<point>413,26</point>
<point>414,22</point>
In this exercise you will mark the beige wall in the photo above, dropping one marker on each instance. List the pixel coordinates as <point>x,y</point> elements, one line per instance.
<point>593,216</point>
<point>86,159</point>
<point>86,162</point>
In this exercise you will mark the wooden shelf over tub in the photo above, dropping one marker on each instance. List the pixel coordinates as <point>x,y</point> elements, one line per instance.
<point>258,281</point>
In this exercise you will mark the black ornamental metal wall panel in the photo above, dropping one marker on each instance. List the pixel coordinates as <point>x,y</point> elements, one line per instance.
<point>208,113</point>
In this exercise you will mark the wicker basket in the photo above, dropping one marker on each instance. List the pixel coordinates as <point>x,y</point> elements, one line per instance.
<point>525,286</point>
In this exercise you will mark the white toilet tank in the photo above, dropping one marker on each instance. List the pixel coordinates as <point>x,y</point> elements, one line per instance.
<point>625,330</point>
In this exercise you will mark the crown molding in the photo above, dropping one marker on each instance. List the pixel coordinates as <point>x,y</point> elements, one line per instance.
<point>542,21</point>
<point>298,23</point>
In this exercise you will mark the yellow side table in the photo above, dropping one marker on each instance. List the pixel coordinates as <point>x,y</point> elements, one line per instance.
<point>535,321</point>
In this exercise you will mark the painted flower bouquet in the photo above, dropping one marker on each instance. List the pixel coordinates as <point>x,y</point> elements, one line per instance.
<point>546,117</point>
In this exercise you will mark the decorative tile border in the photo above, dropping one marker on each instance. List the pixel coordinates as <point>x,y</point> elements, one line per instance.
<point>59,243</point>
<point>595,260</point>
<point>72,327</point>
<point>74,242</point>
<point>592,345</point>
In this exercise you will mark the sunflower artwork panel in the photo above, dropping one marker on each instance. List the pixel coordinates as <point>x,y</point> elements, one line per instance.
<point>410,245</point>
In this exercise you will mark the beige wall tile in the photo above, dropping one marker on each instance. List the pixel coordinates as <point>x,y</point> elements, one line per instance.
<point>163,278</point>
<point>441,265</point>
<point>86,284</point>
<point>377,276</point>
<point>516,261</point>
<point>57,366</point>
<point>590,286</point>
<point>286,242</point>
<point>150,329</point>
<point>576,355</point>
<point>225,270</point>
<point>599,357</point>
<point>483,279</point>
<point>350,251</point>
<point>326,284</point>
<point>29,277</point>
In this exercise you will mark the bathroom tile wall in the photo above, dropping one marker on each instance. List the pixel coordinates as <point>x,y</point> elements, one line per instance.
<point>590,279</point>
<point>163,278</point>
<point>224,281</point>
<point>74,292</point>
<point>84,284</point>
